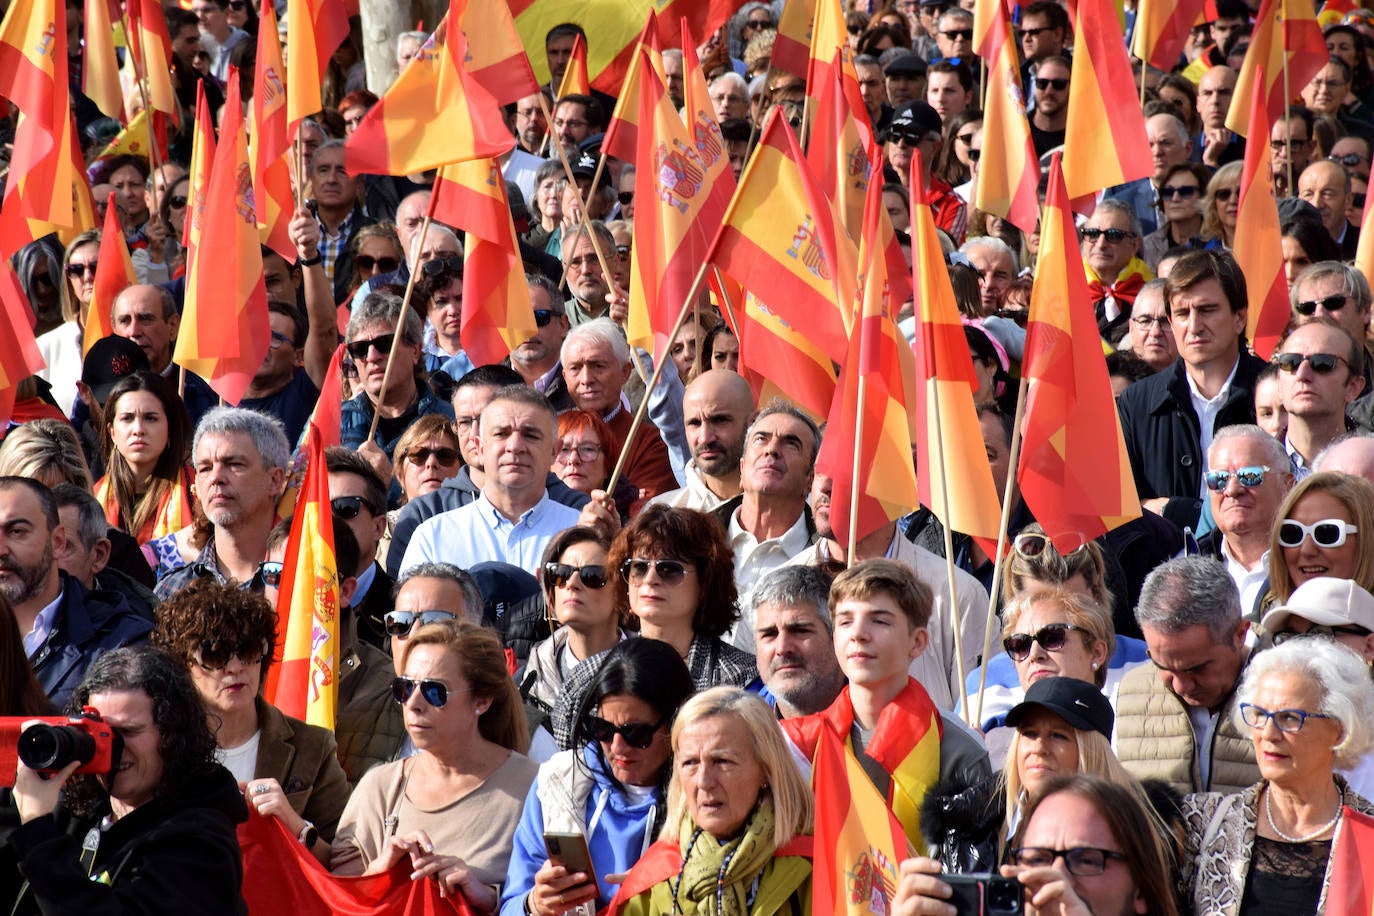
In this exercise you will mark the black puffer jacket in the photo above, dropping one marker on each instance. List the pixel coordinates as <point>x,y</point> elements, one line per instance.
<point>964,823</point>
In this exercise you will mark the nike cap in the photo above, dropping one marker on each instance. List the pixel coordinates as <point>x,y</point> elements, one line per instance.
<point>1078,703</point>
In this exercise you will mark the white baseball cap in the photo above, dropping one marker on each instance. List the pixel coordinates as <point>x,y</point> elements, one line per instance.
<point>1325,601</point>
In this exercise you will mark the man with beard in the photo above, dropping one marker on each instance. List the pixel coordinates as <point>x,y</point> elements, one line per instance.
<point>65,627</point>
<point>793,635</point>
<point>716,409</point>
<point>240,458</point>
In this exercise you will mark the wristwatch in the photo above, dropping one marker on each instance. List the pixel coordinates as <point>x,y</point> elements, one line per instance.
<point>308,835</point>
<point>311,262</point>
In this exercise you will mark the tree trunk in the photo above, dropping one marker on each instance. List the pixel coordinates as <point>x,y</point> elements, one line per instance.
<point>383,22</point>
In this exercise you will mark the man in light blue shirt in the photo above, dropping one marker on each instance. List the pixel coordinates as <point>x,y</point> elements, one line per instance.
<point>513,519</point>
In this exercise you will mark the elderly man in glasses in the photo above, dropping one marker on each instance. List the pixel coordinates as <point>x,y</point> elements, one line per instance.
<point>1110,244</point>
<point>1321,372</point>
<point>1247,478</point>
<point>1175,718</point>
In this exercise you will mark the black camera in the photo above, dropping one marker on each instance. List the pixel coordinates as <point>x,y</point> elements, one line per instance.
<point>982,894</point>
<point>87,738</point>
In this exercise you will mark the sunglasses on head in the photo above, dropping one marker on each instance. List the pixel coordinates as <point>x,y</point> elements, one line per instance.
<point>270,571</point>
<point>1031,544</point>
<point>1322,363</point>
<point>419,456</point>
<point>386,265</point>
<point>560,574</point>
<point>1051,638</point>
<point>1115,236</point>
<point>400,623</point>
<point>1182,191</point>
<point>1058,84</point>
<point>1248,477</point>
<point>638,735</point>
<point>1308,307</point>
<point>1329,532</point>
<point>436,266</point>
<point>671,572</point>
<point>348,507</point>
<point>213,656</point>
<point>435,693</point>
<point>383,343</point>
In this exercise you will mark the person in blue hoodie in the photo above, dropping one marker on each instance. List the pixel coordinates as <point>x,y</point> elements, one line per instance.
<point>610,787</point>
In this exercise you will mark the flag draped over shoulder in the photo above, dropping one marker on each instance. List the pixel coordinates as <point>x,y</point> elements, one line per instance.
<point>306,683</point>
<point>1258,243</point>
<point>224,328</point>
<point>1009,174</point>
<point>859,843</point>
<point>314,28</point>
<point>1282,28</point>
<point>951,460</point>
<point>272,197</point>
<point>114,272</point>
<point>1161,30</point>
<point>396,136</point>
<point>281,876</point>
<point>1104,141</point>
<point>19,356</point>
<point>1074,473</point>
<point>498,315</point>
<point>1352,882</point>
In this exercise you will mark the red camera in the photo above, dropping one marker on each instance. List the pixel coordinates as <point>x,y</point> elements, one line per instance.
<point>56,742</point>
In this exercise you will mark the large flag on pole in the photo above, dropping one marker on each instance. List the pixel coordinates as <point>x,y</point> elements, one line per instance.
<point>151,49</point>
<point>272,197</point>
<point>575,78</point>
<point>1074,473</point>
<point>1161,30</point>
<point>99,66</point>
<point>496,59</point>
<point>19,355</point>
<point>114,273</point>
<point>622,134</point>
<point>1283,28</point>
<point>1009,171</point>
<point>1258,244</point>
<point>314,28</point>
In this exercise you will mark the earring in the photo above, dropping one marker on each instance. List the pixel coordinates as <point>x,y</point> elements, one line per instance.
<point>1095,665</point>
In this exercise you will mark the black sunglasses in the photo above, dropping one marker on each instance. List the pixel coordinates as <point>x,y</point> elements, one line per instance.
<point>212,656</point>
<point>366,262</point>
<point>625,197</point>
<point>1184,191</point>
<point>956,34</point>
<point>560,574</point>
<point>383,343</point>
<point>1322,363</point>
<point>1282,636</point>
<point>418,456</point>
<point>176,201</point>
<point>348,507</point>
<point>1058,84</point>
<point>1115,236</point>
<point>1051,638</point>
<point>1222,195</point>
<point>1308,307</point>
<point>400,623</point>
<point>670,571</point>
<point>80,269</point>
<point>542,317</point>
<point>638,735</point>
<point>438,265</point>
<point>1351,159</point>
<point>435,693</point>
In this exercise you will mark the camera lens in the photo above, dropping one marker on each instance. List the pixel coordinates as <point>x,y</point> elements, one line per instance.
<point>1004,896</point>
<point>52,747</point>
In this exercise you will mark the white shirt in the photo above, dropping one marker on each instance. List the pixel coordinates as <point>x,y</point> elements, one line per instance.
<point>1206,410</point>
<point>696,495</point>
<point>753,558</point>
<point>242,761</point>
<point>479,533</point>
<point>1248,581</point>
<point>61,351</point>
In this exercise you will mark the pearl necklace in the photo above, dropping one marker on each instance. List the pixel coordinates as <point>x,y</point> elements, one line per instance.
<point>1269,816</point>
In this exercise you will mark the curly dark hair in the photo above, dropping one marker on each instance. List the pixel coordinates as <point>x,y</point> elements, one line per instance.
<point>207,612</point>
<point>663,532</point>
<point>187,747</point>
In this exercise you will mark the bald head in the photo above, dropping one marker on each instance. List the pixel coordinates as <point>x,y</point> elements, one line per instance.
<point>716,410</point>
<point>409,215</point>
<point>1326,185</point>
<point>1354,456</point>
<point>1214,93</point>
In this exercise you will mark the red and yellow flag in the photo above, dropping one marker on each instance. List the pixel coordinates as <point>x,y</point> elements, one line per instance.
<point>271,147</point>
<point>19,356</point>
<point>1352,882</point>
<point>202,157</point>
<point>622,134</point>
<point>792,46</point>
<point>859,843</point>
<point>306,683</point>
<point>1104,143</point>
<point>1283,28</point>
<point>867,448</point>
<point>99,66</point>
<point>224,327</point>
<point>114,272</point>
<point>134,140</point>
<point>829,48</point>
<point>496,60</point>
<point>1258,244</point>
<point>151,51</point>
<point>575,79</point>
<point>396,136</point>
<point>314,28</point>
<point>1364,254</point>
<point>1161,30</point>
<point>1009,173</point>
<point>498,315</point>
<point>951,460</point>
<point>1074,473</point>
<point>986,16</point>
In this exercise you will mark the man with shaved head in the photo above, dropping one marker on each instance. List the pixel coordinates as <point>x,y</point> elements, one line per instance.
<point>1352,455</point>
<point>1326,185</point>
<point>716,410</point>
<point>1214,92</point>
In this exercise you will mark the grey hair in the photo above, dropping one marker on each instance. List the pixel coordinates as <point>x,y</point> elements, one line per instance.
<point>994,244</point>
<point>599,330</point>
<point>540,281</point>
<point>1113,205</point>
<point>955,12</point>
<point>549,168</point>
<point>1180,129</point>
<point>1151,286</point>
<point>523,394</point>
<point>1341,678</point>
<point>329,144</point>
<point>866,60</point>
<point>734,79</point>
<point>386,308</point>
<point>598,228</point>
<point>778,405</point>
<point>675,53</point>
<point>435,231</point>
<point>1188,592</point>
<point>795,586</point>
<point>418,37</point>
<point>1356,286</point>
<point>1277,458</point>
<point>473,605</point>
<point>91,524</point>
<point>267,432</point>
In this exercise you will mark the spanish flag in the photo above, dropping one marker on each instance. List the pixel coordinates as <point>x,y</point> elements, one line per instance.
<point>622,133</point>
<point>496,60</point>
<point>1074,473</point>
<point>575,79</point>
<point>271,146</point>
<point>792,46</point>
<point>1283,29</point>
<point>202,157</point>
<point>314,28</point>
<point>396,136</point>
<point>134,140</point>
<point>1009,172</point>
<point>224,327</point>
<point>19,356</point>
<point>1258,243</point>
<point>114,272</point>
<point>1364,254</point>
<point>1352,882</point>
<point>986,17</point>
<point>498,315</point>
<point>1161,30</point>
<point>951,459</point>
<point>859,843</point>
<point>151,52</point>
<point>1104,143</point>
<point>306,683</point>
<point>99,66</point>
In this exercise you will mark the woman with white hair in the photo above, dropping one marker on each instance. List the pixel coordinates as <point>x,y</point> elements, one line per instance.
<point>1268,849</point>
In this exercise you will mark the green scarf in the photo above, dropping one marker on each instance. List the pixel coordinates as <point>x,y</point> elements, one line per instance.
<point>717,877</point>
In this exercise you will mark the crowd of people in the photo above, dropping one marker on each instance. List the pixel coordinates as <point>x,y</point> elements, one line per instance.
<point>587,663</point>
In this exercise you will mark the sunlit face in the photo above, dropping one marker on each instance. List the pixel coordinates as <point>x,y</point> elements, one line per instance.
<point>138,428</point>
<point>455,724</point>
<point>1046,747</point>
<point>1206,330</point>
<point>661,604</point>
<point>425,467</point>
<point>574,603</point>
<point>232,689</point>
<point>594,375</point>
<point>1199,670</point>
<point>1308,560</point>
<point>631,765</point>
<point>725,352</point>
<point>874,640</point>
<point>580,460</point>
<point>1270,414</point>
<point>1295,259</point>
<point>719,774</point>
<point>1106,257</point>
<point>81,272</point>
<point>1079,658</point>
<point>1242,511</point>
<point>130,712</point>
<point>1310,394</point>
<point>1067,821</point>
<point>1150,335</point>
<point>1293,758</point>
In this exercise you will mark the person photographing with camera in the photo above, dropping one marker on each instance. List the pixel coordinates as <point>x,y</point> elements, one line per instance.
<point>154,833</point>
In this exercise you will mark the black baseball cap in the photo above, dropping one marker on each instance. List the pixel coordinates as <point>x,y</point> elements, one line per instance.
<point>914,119</point>
<point>109,360</point>
<point>1078,703</point>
